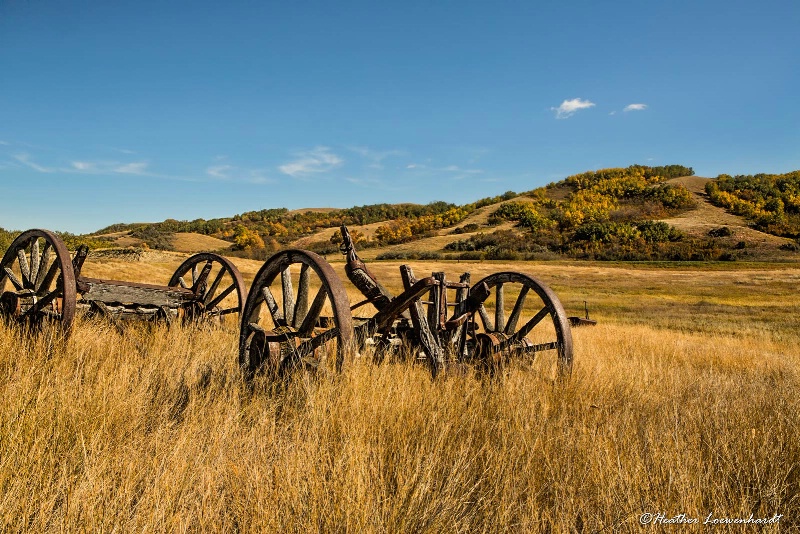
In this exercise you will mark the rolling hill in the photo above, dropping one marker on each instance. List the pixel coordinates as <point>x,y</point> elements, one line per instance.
<point>633,213</point>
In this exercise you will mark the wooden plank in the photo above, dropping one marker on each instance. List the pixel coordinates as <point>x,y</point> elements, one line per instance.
<point>403,301</point>
<point>458,337</point>
<point>113,291</point>
<point>428,339</point>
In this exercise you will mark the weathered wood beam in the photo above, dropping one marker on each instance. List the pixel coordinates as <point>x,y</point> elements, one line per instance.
<point>113,291</point>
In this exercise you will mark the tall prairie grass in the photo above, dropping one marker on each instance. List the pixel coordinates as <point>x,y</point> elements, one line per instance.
<point>153,430</point>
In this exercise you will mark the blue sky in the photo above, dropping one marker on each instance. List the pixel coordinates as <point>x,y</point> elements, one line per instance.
<point>139,111</point>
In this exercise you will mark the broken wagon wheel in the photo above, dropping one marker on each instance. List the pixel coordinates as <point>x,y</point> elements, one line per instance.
<point>283,328</point>
<point>37,281</point>
<point>520,315</point>
<point>217,284</point>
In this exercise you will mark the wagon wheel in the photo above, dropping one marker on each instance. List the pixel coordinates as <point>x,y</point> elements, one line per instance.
<point>218,285</point>
<point>513,322</point>
<point>282,328</point>
<point>37,281</point>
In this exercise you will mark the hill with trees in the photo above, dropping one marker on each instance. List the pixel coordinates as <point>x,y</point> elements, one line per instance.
<point>608,214</point>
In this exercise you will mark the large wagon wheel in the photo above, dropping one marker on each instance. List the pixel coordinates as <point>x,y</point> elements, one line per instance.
<point>216,282</point>
<point>520,316</point>
<point>282,328</point>
<point>37,281</point>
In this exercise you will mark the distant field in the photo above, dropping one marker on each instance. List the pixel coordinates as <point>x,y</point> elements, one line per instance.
<point>684,399</point>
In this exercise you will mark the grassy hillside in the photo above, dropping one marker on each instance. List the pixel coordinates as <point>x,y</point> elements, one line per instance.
<point>633,213</point>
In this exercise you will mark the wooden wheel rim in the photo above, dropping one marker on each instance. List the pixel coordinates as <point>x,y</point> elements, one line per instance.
<point>211,293</point>
<point>553,308</point>
<point>45,271</point>
<point>330,283</point>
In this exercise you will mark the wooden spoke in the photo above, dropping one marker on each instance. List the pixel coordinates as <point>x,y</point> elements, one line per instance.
<point>301,306</point>
<point>47,281</point>
<point>525,330</point>
<point>226,311</point>
<point>24,269</point>
<point>499,311</point>
<point>288,294</point>
<point>504,340</point>
<point>13,279</point>
<point>296,329</point>
<point>34,269</point>
<point>43,302</point>
<point>541,347</point>
<point>307,347</point>
<point>213,289</point>
<point>200,284</point>
<point>272,306</point>
<point>518,306</point>
<point>227,291</point>
<point>206,290</point>
<point>310,319</point>
<point>487,322</point>
<point>36,275</point>
<point>43,266</point>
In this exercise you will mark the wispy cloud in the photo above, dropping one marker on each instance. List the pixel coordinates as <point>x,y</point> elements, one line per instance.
<point>4,143</point>
<point>231,173</point>
<point>430,170</point>
<point>375,157</point>
<point>318,160</point>
<point>220,172</point>
<point>635,107</point>
<point>26,160</point>
<point>137,168</point>
<point>568,108</point>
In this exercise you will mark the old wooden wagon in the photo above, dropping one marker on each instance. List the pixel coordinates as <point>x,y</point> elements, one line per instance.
<point>443,322</point>
<point>41,283</point>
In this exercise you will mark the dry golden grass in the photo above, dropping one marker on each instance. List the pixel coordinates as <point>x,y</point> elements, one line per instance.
<point>191,242</point>
<point>153,430</point>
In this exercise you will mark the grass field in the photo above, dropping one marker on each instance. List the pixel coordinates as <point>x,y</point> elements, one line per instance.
<point>684,399</point>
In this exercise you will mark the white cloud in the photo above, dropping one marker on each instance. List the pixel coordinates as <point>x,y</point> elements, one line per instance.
<point>137,168</point>
<point>25,159</point>
<point>238,174</point>
<point>568,107</point>
<point>221,172</point>
<point>318,160</point>
<point>375,157</point>
<point>635,107</point>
